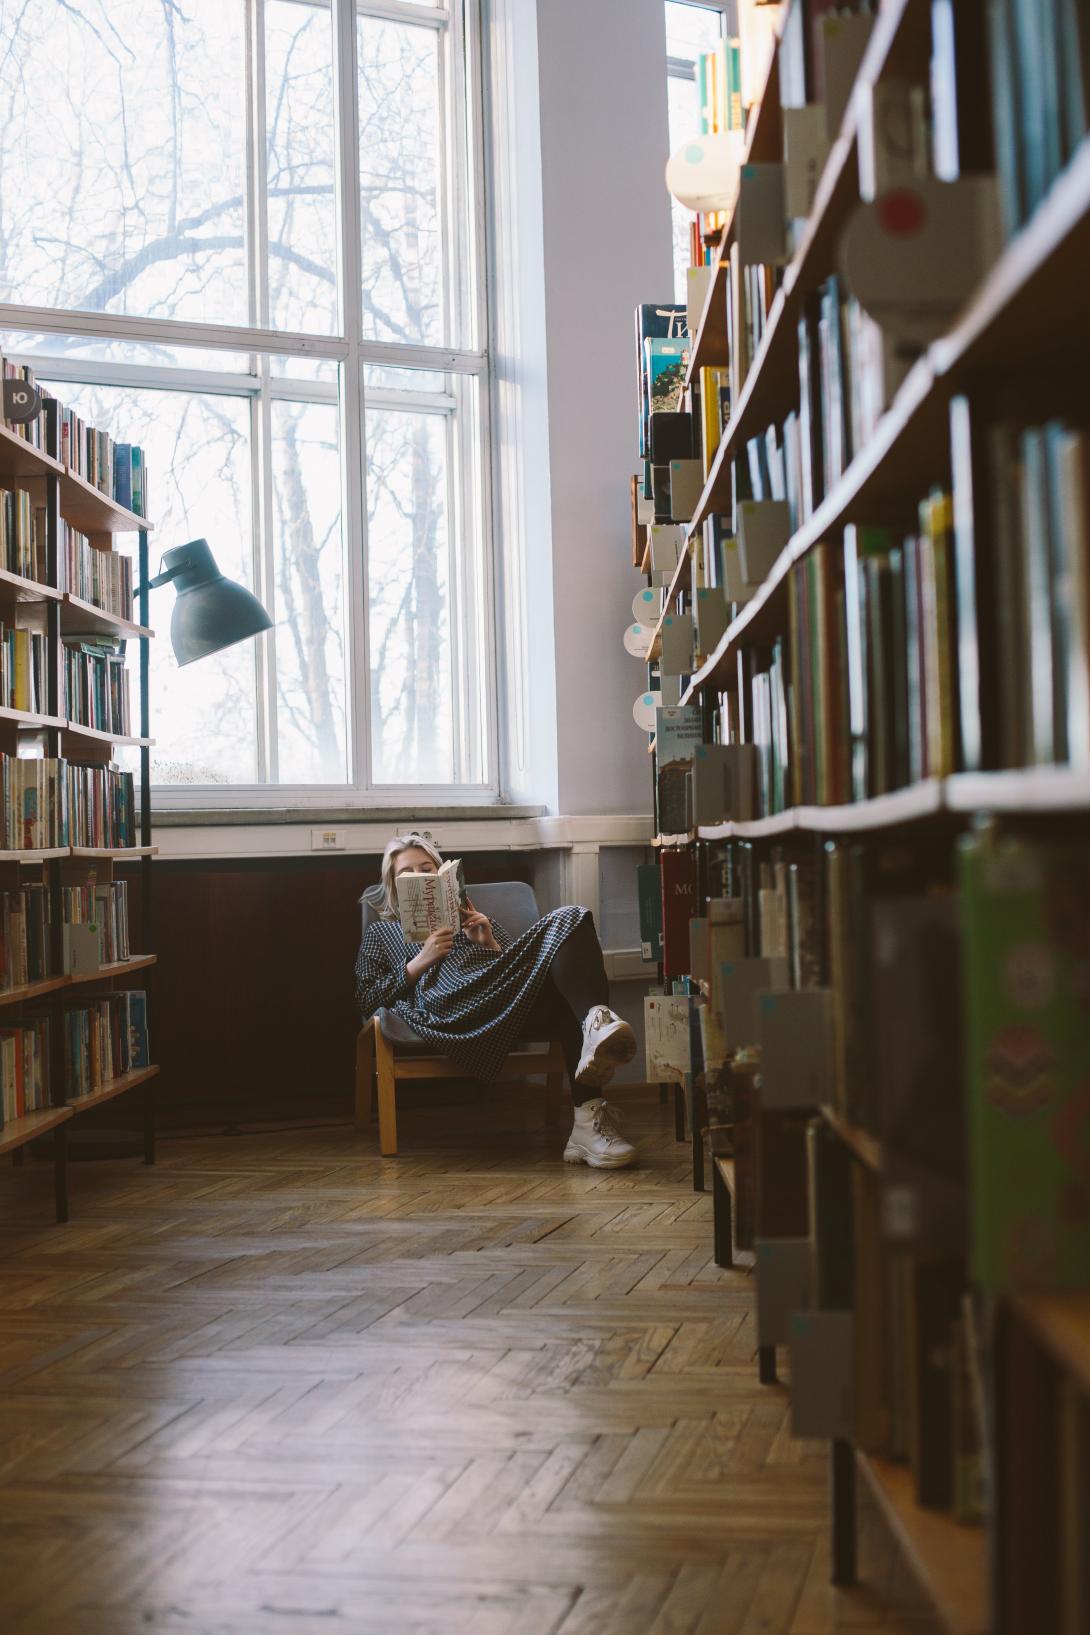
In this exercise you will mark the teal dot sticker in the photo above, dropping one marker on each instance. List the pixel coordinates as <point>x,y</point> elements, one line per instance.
<point>648,698</point>
<point>694,153</point>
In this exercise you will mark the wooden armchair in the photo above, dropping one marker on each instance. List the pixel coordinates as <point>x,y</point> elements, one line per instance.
<point>389,1053</point>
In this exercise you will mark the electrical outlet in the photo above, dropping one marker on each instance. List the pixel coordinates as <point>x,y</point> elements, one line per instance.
<point>327,840</point>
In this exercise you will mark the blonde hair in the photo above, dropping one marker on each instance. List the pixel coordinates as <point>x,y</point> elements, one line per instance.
<point>394,848</point>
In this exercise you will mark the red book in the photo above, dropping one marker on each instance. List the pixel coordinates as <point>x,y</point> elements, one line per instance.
<point>678,908</point>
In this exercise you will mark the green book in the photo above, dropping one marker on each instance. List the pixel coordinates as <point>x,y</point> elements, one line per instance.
<point>649,892</point>
<point>1025,908</point>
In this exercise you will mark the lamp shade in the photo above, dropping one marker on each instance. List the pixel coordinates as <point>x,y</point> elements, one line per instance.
<point>211,612</point>
<point>703,173</point>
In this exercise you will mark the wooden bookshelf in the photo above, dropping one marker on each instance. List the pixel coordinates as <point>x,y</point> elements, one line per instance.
<point>70,498</point>
<point>43,855</point>
<point>120,967</point>
<point>31,720</point>
<point>18,1131</point>
<point>1061,1322</point>
<point>32,991</point>
<point>80,616</point>
<point>963,795</point>
<point>948,1558</point>
<point>112,1089</point>
<point>118,852</point>
<point>83,505</point>
<point>1007,318</point>
<point>1021,338</point>
<point>866,1147</point>
<point>15,588</point>
<point>76,729</point>
<point>895,40</point>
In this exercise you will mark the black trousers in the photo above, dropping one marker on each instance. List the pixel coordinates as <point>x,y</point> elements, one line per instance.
<point>576,984</point>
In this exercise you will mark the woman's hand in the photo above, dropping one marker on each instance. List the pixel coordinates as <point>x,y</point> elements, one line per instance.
<point>437,946</point>
<point>478,928</point>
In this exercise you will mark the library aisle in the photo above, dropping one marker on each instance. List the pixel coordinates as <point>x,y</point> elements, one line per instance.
<point>281,1384</point>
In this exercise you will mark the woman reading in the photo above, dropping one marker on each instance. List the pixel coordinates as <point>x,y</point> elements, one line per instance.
<point>475,993</point>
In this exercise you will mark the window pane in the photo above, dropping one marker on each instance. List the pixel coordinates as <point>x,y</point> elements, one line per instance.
<point>691,29</point>
<point>197,449</point>
<point>684,105</point>
<point>122,148</point>
<point>426,587</point>
<point>301,202</point>
<point>311,625</point>
<point>403,251</point>
<point>42,351</point>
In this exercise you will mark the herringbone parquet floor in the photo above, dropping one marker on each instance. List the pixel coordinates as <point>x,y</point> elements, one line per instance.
<point>278,1384</point>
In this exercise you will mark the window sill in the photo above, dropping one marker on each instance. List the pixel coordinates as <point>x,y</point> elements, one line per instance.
<point>319,816</point>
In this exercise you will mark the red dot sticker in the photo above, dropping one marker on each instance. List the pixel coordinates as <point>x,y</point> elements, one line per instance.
<point>901,212</point>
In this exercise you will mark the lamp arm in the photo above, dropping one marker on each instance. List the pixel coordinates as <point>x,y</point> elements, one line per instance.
<point>159,579</point>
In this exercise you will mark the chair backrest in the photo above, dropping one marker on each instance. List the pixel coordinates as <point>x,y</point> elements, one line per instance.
<point>512,902</point>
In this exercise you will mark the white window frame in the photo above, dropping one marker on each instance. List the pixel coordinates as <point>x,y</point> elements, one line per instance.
<point>473,617</point>
<point>685,67</point>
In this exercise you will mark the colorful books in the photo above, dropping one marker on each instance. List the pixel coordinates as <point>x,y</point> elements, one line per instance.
<point>1026,917</point>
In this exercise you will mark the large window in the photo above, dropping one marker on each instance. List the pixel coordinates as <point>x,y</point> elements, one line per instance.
<point>245,236</point>
<point>690,30</point>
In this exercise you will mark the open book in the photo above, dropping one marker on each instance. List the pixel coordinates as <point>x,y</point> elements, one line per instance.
<point>427,902</point>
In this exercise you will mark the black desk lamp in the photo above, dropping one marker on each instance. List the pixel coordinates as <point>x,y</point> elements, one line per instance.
<point>211,612</point>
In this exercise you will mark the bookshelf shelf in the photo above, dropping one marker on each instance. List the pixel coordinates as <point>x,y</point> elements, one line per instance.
<point>83,505</point>
<point>1040,789</point>
<point>16,1132</point>
<point>866,1147</point>
<point>1061,1322</point>
<point>13,587</point>
<point>44,856</point>
<point>763,143</point>
<point>948,1558</point>
<point>33,990</point>
<point>112,1088</point>
<point>80,616</point>
<point>918,801</point>
<point>119,852</point>
<point>20,459</point>
<point>105,973</point>
<point>1032,789</point>
<point>76,729</point>
<point>41,856</point>
<point>682,579</point>
<point>25,718</point>
<point>710,349</point>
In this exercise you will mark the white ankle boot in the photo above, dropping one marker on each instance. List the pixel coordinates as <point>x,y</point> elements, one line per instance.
<point>596,1138</point>
<point>608,1042</point>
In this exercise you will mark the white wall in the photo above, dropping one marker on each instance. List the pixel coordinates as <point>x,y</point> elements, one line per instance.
<point>604,143</point>
<point>580,153</point>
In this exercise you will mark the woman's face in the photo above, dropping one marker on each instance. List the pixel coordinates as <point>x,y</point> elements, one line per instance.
<point>414,860</point>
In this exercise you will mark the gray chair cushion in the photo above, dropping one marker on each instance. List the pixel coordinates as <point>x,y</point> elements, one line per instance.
<point>511,902</point>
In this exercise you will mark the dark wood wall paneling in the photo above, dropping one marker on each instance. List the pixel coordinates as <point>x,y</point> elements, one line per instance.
<point>252,1014</point>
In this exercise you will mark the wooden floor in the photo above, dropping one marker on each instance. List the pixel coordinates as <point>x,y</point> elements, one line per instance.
<point>278,1384</point>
